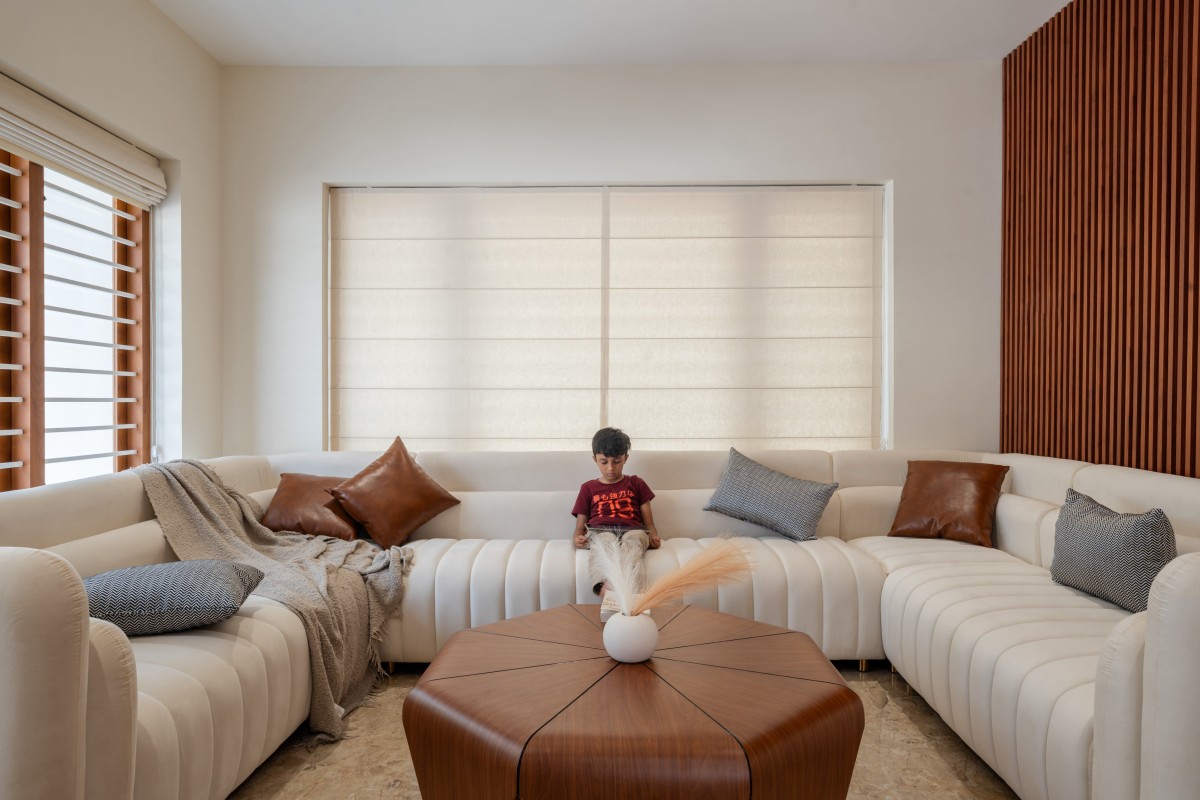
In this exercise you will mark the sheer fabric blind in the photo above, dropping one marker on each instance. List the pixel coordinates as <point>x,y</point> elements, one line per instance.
<point>501,319</point>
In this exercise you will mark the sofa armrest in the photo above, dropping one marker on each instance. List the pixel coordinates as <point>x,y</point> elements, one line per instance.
<point>111,713</point>
<point>44,633</point>
<point>1171,709</point>
<point>1118,716</point>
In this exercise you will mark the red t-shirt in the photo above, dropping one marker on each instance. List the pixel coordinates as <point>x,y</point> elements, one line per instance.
<point>615,504</point>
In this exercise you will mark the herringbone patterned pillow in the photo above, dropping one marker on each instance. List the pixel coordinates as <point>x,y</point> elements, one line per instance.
<point>161,598</point>
<point>755,493</point>
<point>1110,555</point>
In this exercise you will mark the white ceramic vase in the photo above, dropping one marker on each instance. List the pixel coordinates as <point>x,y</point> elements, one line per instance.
<point>631,639</point>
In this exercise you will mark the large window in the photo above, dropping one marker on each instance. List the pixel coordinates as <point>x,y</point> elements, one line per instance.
<point>692,317</point>
<point>74,328</point>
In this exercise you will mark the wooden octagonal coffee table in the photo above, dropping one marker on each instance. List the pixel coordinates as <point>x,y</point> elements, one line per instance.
<point>533,708</point>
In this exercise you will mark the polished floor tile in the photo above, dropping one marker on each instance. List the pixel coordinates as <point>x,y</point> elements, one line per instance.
<point>907,752</point>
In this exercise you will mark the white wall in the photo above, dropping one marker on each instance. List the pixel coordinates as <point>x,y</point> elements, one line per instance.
<point>129,69</point>
<point>934,130</point>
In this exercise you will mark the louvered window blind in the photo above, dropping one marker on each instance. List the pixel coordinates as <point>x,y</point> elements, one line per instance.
<point>691,317</point>
<point>75,317</point>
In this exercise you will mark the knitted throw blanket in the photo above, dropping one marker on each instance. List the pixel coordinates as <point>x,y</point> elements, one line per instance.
<point>343,591</point>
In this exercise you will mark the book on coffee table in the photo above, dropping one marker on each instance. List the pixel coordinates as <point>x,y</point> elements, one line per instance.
<point>610,606</point>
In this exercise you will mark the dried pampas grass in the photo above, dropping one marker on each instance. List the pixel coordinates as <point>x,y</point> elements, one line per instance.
<point>619,567</point>
<point>724,561</point>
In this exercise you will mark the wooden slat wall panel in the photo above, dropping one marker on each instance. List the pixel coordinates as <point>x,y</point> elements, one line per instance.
<point>1101,268</point>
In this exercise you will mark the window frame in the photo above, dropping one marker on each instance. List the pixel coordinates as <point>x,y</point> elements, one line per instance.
<point>24,283</point>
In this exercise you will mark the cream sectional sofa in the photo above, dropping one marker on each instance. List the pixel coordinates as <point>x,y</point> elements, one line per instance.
<point>1063,694</point>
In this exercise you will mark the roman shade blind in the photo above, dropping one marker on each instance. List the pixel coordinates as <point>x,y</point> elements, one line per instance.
<point>691,317</point>
<point>37,129</point>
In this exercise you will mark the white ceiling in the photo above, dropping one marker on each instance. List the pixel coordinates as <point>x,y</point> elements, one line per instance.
<point>530,32</point>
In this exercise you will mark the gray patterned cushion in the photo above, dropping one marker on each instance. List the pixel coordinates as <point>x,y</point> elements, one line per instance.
<point>1110,555</point>
<point>758,494</point>
<point>161,598</point>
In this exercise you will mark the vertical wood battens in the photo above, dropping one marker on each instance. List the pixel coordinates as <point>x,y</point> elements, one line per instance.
<point>1100,315</point>
<point>1192,264</point>
<point>1172,189</point>
<point>30,323</point>
<point>8,288</point>
<point>137,360</point>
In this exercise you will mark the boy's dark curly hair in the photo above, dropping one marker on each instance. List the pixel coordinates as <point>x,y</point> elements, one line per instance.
<point>610,442</point>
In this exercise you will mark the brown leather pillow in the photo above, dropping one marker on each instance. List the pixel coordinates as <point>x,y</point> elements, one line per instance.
<point>302,503</point>
<point>949,500</point>
<point>393,496</point>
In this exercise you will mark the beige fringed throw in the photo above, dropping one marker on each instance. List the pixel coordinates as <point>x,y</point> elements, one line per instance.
<point>342,591</point>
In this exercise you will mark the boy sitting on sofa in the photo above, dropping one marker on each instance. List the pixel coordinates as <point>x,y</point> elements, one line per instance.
<point>616,505</point>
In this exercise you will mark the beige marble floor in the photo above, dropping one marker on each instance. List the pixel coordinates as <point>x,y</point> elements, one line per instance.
<point>907,753</point>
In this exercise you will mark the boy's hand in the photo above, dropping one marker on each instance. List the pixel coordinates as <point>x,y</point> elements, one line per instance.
<point>655,541</point>
<point>581,540</point>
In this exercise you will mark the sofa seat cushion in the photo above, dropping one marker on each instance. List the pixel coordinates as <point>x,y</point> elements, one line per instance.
<point>1008,658</point>
<point>896,553</point>
<point>214,702</point>
<point>824,588</point>
<point>868,511</point>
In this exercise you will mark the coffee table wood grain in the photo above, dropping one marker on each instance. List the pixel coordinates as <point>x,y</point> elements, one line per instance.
<point>533,708</point>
